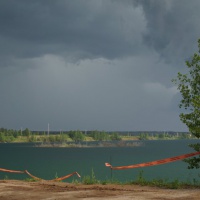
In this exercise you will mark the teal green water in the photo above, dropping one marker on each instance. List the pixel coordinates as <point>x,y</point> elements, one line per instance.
<point>49,162</point>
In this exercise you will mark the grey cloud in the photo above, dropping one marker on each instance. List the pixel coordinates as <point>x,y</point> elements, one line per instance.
<point>101,28</point>
<point>94,94</point>
<point>172,27</point>
<point>91,29</point>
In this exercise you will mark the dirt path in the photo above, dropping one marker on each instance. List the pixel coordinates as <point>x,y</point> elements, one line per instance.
<point>21,190</point>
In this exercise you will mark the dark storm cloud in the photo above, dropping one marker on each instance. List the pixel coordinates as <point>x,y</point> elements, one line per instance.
<point>91,28</point>
<point>173,27</point>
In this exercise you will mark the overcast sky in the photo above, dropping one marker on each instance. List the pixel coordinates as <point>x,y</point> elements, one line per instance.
<point>94,64</point>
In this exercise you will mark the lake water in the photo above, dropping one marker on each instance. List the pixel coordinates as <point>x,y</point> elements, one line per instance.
<point>50,162</point>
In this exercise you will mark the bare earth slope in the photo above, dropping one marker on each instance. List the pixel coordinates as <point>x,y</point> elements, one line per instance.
<point>21,190</point>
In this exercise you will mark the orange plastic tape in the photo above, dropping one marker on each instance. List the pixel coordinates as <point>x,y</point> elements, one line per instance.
<point>157,162</point>
<point>11,171</point>
<point>57,179</point>
<point>65,177</point>
<point>37,178</point>
<point>34,177</point>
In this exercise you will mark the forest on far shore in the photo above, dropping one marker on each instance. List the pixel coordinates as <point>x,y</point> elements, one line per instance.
<point>26,135</point>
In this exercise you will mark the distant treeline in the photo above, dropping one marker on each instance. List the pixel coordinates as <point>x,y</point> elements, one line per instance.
<point>121,133</point>
<point>165,135</point>
<point>26,135</point>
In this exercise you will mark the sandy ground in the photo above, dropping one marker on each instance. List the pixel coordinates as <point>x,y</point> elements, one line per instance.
<point>21,190</point>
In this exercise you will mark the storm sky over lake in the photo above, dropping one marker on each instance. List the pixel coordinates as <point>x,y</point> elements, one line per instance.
<point>94,64</point>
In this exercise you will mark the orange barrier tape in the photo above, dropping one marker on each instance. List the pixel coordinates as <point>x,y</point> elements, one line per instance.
<point>65,177</point>
<point>11,171</point>
<point>157,162</point>
<point>57,179</point>
<point>38,179</point>
<point>34,177</point>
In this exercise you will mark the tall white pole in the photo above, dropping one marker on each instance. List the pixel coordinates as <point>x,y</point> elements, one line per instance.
<point>48,129</point>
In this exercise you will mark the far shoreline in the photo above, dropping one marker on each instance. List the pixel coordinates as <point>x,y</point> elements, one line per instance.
<point>92,144</point>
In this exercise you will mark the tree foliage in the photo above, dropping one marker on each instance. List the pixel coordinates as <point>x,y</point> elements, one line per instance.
<point>189,87</point>
<point>99,135</point>
<point>77,136</point>
<point>115,136</point>
<point>144,136</point>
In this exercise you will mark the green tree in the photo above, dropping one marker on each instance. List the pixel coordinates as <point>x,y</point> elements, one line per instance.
<point>2,137</point>
<point>99,135</point>
<point>144,136</point>
<point>161,136</point>
<point>52,138</point>
<point>26,132</point>
<point>115,136</point>
<point>77,136</point>
<point>189,87</point>
<point>32,138</point>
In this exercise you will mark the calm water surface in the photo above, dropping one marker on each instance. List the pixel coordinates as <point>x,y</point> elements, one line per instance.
<point>50,162</point>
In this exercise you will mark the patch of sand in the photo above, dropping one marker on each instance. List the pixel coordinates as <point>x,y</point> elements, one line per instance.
<point>47,190</point>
